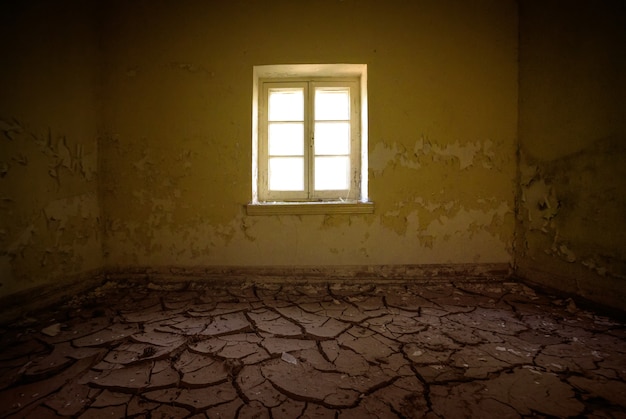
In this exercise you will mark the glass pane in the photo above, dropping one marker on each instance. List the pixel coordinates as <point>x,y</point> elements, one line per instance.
<point>332,138</point>
<point>332,104</point>
<point>332,173</point>
<point>286,104</point>
<point>286,174</point>
<point>286,139</point>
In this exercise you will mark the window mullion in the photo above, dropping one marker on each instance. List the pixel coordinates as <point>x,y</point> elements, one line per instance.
<point>309,123</point>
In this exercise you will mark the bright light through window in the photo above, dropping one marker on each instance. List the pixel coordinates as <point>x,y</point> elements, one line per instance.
<point>332,138</point>
<point>332,173</point>
<point>286,139</point>
<point>286,105</point>
<point>332,105</point>
<point>310,127</point>
<point>286,174</point>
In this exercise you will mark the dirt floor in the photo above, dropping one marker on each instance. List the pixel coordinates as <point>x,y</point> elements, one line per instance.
<point>463,350</point>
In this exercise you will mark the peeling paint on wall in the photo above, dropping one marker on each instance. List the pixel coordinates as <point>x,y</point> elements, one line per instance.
<point>49,206</point>
<point>141,155</point>
<point>571,226</point>
<point>425,151</point>
<point>176,171</point>
<point>50,211</point>
<point>570,210</point>
<point>307,240</point>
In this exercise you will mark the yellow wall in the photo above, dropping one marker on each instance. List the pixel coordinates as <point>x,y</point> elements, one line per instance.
<point>176,151</point>
<point>49,112</point>
<point>572,217</point>
<point>125,135</point>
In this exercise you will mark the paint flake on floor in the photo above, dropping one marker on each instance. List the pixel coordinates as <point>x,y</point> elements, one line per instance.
<point>338,350</point>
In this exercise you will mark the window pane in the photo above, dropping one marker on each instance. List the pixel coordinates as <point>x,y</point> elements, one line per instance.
<point>332,173</point>
<point>286,104</point>
<point>286,174</point>
<point>332,104</point>
<point>332,138</point>
<point>286,139</point>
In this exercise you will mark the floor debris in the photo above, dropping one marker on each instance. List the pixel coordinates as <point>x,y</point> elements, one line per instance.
<point>496,349</point>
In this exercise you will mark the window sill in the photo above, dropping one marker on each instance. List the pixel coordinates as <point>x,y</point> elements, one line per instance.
<point>304,208</point>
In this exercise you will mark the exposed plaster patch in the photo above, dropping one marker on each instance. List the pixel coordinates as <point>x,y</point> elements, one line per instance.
<point>73,223</point>
<point>246,226</point>
<point>441,226</point>
<point>23,240</point>
<point>570,217</point>
<point>564,252</point>
<point>432,206</point>
<point>396,154</point>
<point>144,165</point>
<point>465,153</point>
<point>153,241</point>
<point>393,154</point>
<point>20,159</point>
<point>10,128</point>
<point>65,157</point>
<point>49,228</point>
<point>528,174</point>
<point>542,205</point>
<point>432,223</point>
<point>299,240</point>
<point>83,206</point>
<point>593,265</point>
<point>184,158</point>
<point>466,221</point>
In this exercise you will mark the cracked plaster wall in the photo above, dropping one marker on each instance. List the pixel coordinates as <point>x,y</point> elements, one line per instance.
<point>175,144</point>
<point>49,209</point>
<point>442,81</point>
<point>571,228</point>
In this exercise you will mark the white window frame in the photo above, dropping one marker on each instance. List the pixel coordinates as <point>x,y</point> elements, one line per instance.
<point>354,200</point>
<point>309,193</point>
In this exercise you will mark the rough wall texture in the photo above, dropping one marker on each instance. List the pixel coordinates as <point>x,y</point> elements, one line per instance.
<point>49,210</point>
<point>125,136</point>
<point>176,169</point>
<point>571,231</point>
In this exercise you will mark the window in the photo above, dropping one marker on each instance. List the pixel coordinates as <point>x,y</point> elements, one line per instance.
<point>310,138</point>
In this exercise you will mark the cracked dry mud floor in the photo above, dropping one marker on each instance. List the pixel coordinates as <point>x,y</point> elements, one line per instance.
<point>195,350</point>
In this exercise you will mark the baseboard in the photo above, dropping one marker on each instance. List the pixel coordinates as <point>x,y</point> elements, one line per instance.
<point>386,273</point>
<point>41,297</point>
<point>35,299</point>
<point>588,288</point>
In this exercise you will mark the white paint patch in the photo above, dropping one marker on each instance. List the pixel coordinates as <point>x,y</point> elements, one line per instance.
<point>542,205</point>
<point>385,155</point>
<point>464,152</point>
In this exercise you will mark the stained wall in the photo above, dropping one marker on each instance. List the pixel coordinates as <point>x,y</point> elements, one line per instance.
<point>49,112</point>
<point>125,137</point>
<point>571,231</point>
<point>176,146</point>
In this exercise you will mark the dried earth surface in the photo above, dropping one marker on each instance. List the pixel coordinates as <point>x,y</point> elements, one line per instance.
<point>335,350</point>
